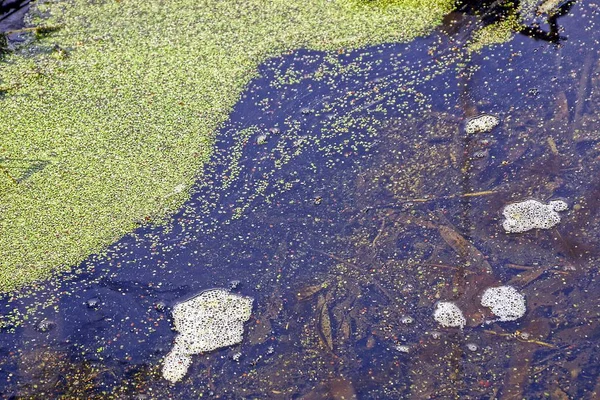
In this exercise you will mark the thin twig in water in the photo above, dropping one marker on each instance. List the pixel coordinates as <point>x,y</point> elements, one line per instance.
<point>8,174</point>
<point>552,145</point>
<point>429,199</point>
<point>336,258</point>
<point>379,233</point>
<point>516,336</point>
<point>37,29</point>
<point>369,278</point>
<point>582,90</point>
<point>520,267</point>
<point>444,266</point>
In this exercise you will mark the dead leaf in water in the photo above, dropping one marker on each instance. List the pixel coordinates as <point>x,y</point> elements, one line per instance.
<point>345,330</point>
<point>324,323</point>
<point>342,389</point>
<point>464,249</point>
<point>562,107</point>
<point>309,291</point>
<point>334,389</point>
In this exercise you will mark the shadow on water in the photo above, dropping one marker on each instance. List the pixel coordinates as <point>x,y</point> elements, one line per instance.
<point>346,197</point>
<point>12,14</point>
<point>19,169</point>
<point>494,11</point>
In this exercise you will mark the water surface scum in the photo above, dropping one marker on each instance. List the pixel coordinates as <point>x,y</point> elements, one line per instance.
<point>120,101</point>
<point>346,198</point>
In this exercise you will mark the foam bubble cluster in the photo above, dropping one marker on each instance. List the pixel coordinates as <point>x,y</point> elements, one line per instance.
<point>176,366</point>
<point>532,214</point>
<point>448,315</point>
<point>213,319</point>
<point>505,302</point>
<point>481,123</point>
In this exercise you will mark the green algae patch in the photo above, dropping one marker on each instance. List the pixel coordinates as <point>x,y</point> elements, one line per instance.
<point>107,119</point>
<point>497,33</point>
<point>503,30</point>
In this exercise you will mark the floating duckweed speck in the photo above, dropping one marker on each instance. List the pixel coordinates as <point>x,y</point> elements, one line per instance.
<point>532,214</point>
<point>481,123</point>
<point>213,319</point>
<point>505,302</point>
<point>448,315</point>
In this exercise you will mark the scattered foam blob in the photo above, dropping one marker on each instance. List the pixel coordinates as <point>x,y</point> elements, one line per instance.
<point>532,214</point>
<point>505,302</point>
<point>175,366</point>
<point>261,139</point>
<point>481,123</point>
<point>211,320</point>
<point>448,315</point>
<point>559,205</point>
<point>472,347</point>
<point>402,348</point>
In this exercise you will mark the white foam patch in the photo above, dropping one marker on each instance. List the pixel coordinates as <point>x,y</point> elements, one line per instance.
<point>175,366</point>
<point>532,214</point>
<point>481,123</point>
<point>213,319</point>
<point>505,302</point>
<point>448,315</point>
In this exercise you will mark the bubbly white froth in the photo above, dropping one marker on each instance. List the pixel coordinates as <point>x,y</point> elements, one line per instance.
<point>505,302</point>
<point>213,319</point>
<point>532,214</point>
<point>448,315</point>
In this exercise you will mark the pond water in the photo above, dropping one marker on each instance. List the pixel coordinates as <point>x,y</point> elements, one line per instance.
<point>347,199</point>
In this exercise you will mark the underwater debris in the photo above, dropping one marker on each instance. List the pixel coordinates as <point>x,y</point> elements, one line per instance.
<point>532,214</point>
<point>505,302</point>
<point>436,335</point>
<point>211,320</point>
<point>45,326</point>
<point>324,323</point>
<point>448,315</point>
<point>481,123</point>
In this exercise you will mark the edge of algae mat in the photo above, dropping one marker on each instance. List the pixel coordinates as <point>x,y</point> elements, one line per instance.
<point>107,121</point>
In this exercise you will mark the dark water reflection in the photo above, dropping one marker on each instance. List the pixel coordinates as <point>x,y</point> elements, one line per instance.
<point>365,205</point>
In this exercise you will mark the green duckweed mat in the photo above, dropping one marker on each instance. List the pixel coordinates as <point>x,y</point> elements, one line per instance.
<point>109,114</point>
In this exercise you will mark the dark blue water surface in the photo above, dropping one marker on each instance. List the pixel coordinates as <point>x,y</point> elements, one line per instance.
<point>353,210</point>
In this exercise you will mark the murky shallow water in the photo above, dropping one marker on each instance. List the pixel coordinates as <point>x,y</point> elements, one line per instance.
<point>347,199</point>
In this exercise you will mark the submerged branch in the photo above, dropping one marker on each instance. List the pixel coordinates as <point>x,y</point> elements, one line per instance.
<point>516,335</point>
<point>434,198</point>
